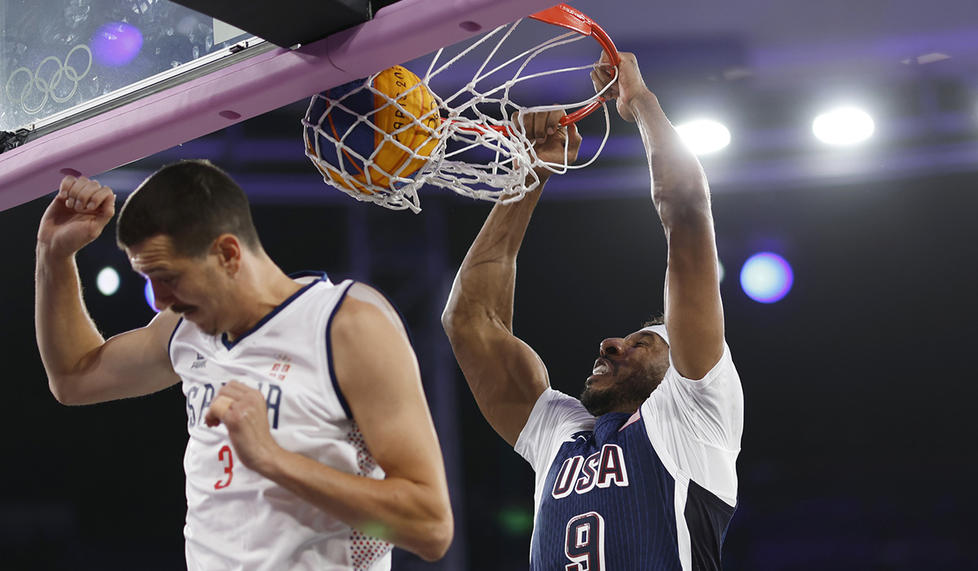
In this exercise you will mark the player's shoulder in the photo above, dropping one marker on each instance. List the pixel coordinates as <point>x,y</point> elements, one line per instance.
<point>364,304</point>
<point>352,311</point>
<point>164,324</point>
<point>555,411</point>
<point>317,293</point>
<point>723,371</point>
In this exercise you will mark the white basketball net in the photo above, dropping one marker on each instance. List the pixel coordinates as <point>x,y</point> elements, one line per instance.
<point>503,168</point>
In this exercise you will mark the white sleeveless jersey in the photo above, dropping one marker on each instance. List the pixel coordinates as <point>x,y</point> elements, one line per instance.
<point>236,518</point>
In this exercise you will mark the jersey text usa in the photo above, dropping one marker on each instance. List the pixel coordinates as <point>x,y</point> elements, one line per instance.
<point>602,469</point>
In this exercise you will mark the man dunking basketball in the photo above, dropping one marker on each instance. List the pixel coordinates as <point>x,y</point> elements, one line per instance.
<point>640,472</point>
<point>310,438</point>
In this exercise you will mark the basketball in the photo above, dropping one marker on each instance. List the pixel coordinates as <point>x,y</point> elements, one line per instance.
<point>373,132</point>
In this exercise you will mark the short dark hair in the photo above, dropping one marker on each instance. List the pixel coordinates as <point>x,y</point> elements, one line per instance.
<point>655,320</point>
<point>191,201</point>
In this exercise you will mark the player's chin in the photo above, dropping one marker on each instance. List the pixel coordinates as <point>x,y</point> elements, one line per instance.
<point>594,385</point>
<point>194,316</point>
<point>597,401</point>
<point>210,329</point>
<point>184,311</point>
<point>598,380</point>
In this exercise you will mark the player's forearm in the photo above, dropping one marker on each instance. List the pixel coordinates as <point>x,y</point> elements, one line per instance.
<point>413,515</point>
<point>680,192</point>
<point>66,335</point>
<point>679,187</point>
<point>486,280</point>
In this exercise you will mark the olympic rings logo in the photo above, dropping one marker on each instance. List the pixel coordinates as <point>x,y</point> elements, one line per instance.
<point>42,83</point>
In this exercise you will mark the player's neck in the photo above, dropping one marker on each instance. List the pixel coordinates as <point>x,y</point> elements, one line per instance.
<point>263,288</point>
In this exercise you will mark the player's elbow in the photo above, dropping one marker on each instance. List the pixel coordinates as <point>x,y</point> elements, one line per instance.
<point>462,321</point>
<point>449,320</point>
<point>71,390</point>
<point>438,538</point>
<point>454,321</point>
<point>684,205</point>
<point>464,333</point>
<point>62,393</point>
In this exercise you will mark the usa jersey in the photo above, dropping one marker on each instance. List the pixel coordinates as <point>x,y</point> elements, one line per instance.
<point>236,518</point>
<point>653,490</point>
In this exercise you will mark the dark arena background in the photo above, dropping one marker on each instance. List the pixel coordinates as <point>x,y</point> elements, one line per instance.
<point>860,388</point>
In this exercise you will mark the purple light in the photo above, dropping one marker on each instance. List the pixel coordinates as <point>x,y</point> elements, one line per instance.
<point>116,44</point>
<point>766,277</point>
<point>150,297</point>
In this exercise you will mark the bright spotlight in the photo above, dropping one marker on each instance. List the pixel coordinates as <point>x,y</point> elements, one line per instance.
<point>150,298</point>
<point>107,281</point>
<point>843,126</point>
<point>766,277</point>
<point>704,136</point>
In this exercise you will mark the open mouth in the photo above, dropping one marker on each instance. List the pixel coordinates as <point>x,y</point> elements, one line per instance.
<point>601,367</point>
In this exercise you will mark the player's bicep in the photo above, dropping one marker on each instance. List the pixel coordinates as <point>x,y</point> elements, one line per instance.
<point>127,365</point>
<point>377,372</point>
<point>694,311</point>
<point>505,375</point>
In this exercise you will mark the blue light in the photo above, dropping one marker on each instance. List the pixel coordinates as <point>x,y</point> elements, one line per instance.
<point>116,44</point>
<point>766,277</point>
<point>150,298</point>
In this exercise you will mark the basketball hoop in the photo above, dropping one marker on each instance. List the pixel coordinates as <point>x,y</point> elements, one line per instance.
<point>477,145</point>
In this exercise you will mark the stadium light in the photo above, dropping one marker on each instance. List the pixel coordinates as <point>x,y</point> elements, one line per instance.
<point>843,126</point>
<point>766,277</point>
<point>704,136</point>
<point>107,281</point>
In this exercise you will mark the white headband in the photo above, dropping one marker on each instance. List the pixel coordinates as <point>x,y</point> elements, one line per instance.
<point>659,330</point>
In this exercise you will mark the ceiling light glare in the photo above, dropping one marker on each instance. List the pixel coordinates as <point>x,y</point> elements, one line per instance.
<point>843,126</point>
<point>107,281</point>
<point>704,136</point>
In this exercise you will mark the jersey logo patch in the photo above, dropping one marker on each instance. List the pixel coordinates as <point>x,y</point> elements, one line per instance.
<point>280,368</point>
<point>602,469</point>
<point>199,363</point>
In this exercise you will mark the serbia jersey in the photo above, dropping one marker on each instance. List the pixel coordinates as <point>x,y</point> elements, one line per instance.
<point>653,490</point>
<point>236,518</point>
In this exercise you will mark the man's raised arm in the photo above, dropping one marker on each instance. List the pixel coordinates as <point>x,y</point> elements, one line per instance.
<point>81,366</point>
<point>693,310</point>
<point>505,375</point>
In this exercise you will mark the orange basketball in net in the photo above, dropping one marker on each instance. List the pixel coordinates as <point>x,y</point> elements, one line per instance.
<point>366,134</point>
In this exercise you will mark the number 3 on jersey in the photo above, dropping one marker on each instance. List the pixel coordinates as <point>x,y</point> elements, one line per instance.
<point>584,544</point>
<point>225,457</point>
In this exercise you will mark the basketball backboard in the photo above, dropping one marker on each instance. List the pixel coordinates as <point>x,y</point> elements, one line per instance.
<point>88,85</point>
<point>58,60</point>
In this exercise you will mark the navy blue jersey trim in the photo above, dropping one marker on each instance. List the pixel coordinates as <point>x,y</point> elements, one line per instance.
<point>707,518</point>
<point>329,354</point>
<point>309,273</point>
<point>169,344</point>
<point>230,344</point>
